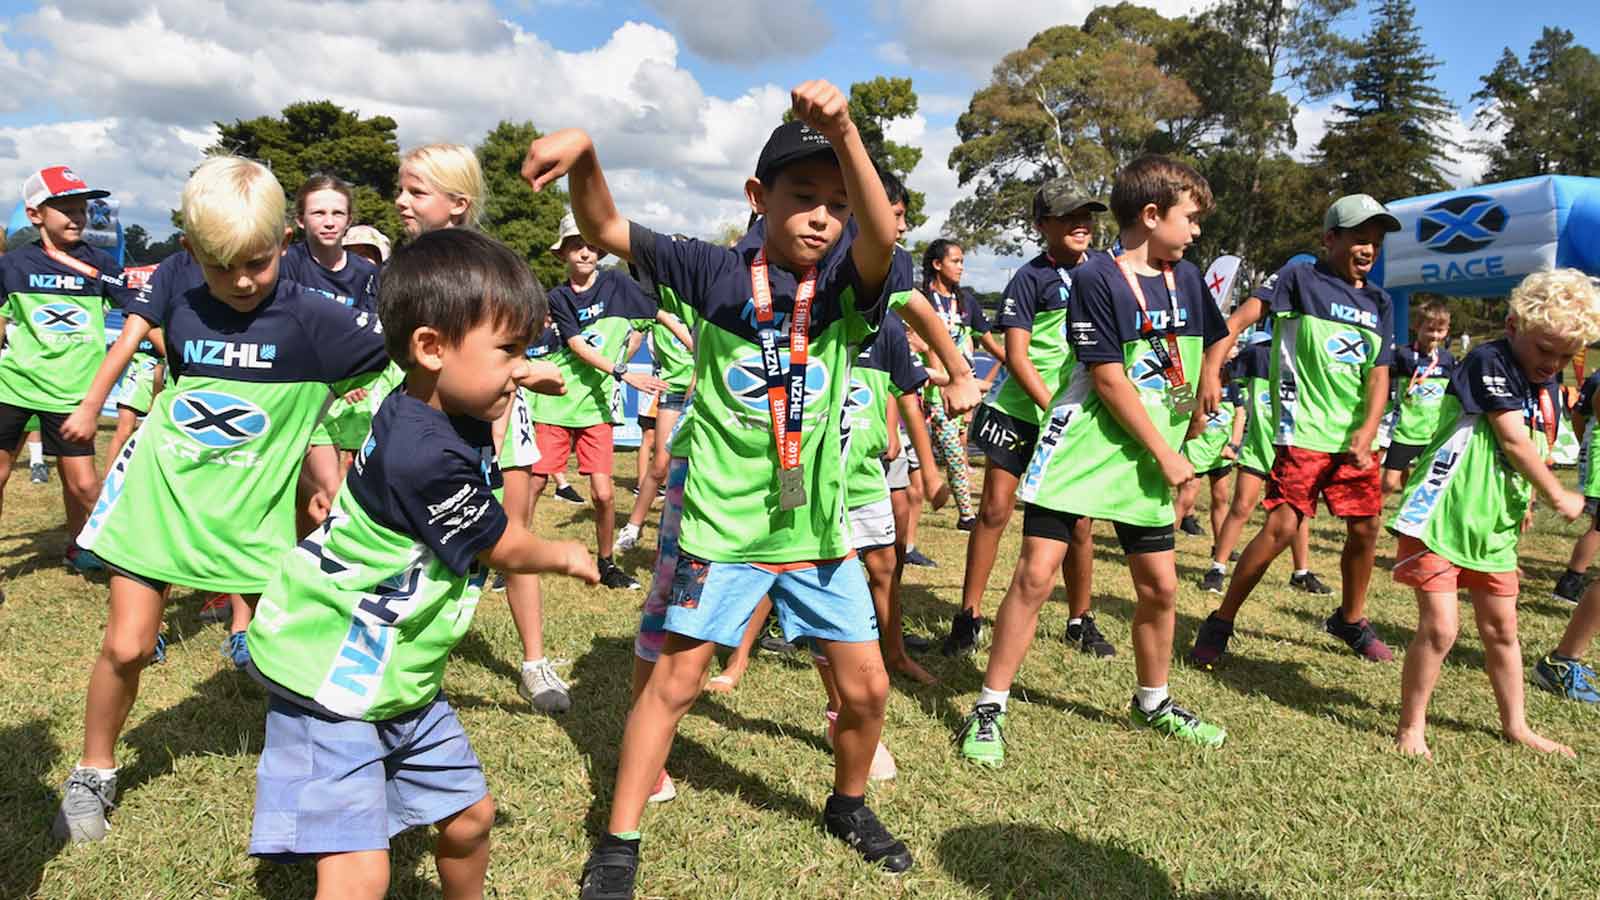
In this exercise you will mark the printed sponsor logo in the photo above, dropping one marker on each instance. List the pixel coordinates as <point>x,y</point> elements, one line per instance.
<point>1355,315</point>
<point>1463,224</point>
<point>1426,496</point>
<point>780,319</point>
<point>746,380</point>
<point>53,282</point>
<point>858,400</point>
<point>1146,374</point>
<point>1346,347</point>
<point>1161,319</point>
<point>438,510</point>
<point>218,421</point>
<point>208,352</point>
<point>592,311</point>
<point>61,318</point>
<point>1496,386</point>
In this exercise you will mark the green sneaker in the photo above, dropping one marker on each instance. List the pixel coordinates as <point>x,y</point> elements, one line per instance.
<point>982,738</point>
<point>1173,720</point>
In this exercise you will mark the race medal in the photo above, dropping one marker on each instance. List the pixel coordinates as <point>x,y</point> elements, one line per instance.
<point>791,488</point>
<point>1181,397</point>
<point>785,397</point>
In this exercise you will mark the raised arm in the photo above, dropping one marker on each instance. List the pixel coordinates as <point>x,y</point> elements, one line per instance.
<point>821,105</point>
<point>570,152</point>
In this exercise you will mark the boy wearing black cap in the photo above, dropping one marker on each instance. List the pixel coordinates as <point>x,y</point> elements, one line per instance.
<point>1333,343</point>
<point>1033,319</point>
<point>55,291</point>
<point>764,501</point>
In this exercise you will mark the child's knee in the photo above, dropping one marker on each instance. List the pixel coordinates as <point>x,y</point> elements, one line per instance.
<point>1363,530</point>
<point>471,825</point>
<point>601,491</point>
<point>1033,582</point>
<point>866,694</point>
<point>675,686</point>
<point>1438,631</point>
<point>1158,592</point>
<point>127,653</point>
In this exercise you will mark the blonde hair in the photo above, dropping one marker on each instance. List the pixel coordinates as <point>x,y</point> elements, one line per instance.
<point>232,207</point>
<point>1563,301</point>
<point>451,169</point>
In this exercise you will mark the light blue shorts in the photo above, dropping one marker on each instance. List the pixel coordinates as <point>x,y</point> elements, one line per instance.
<point>338,786</point>
<point>713,601</point>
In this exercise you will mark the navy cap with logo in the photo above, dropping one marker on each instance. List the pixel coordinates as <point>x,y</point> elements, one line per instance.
<point>790,143</point>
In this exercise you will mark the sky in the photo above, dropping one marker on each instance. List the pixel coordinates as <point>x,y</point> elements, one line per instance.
<point>679,102</point>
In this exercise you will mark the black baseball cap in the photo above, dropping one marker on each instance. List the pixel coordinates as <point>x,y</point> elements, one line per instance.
<point>790,143</point>
<point>1057,198</point>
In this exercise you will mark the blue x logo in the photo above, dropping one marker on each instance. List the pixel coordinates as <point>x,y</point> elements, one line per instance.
<point>1461,224</point>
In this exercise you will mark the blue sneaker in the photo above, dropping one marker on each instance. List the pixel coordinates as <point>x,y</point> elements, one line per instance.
<point>236,650</point>
<point>159,654</point>
<point>1571,679</point>
<point>82,560</point>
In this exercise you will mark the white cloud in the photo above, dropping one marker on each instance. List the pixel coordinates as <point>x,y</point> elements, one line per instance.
<point>1465,168</point>
<point>745,33</point>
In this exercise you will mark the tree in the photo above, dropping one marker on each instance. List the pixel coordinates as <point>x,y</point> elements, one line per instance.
<point>137,250</point>
<point>320,136</point>
<point>1387,142</point>
<point>873,105</point>
<point>1076,103</point>
<point>1544,109</point>
<point>525,221</point>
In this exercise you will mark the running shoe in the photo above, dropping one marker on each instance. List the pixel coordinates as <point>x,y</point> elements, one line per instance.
<point>1191,526</point>
<point>235,650</point>
<point>1569,587</point>
<point>613,577</point>
<point>81,560</point>
<point>627,538</point>
<point>543,688</point>
<point>159,654</point>
<point>861,829</point>
<point>982,738</point>
<point>965,632</point>
<point>570,494</point>
<point>217,608</point>
<point>966,524</point>
<point>1568,678</point>
<point>611,870</point>
<point>86,798</point>
<point>1086,636</point>
<point>1210,642</point>
<point>1359,637</point>
<point>915,557</point>
<point>39,473</point>
<point>1173,720</point>
<point>1310,583</point>
<point>664,790</point>
<point>772,639</point>
<point>1212,580</point>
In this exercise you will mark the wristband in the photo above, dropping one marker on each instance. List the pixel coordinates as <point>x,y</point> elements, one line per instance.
<point>619,370</point>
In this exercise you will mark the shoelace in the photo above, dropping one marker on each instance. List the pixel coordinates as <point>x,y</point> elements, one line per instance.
<point>1091,632</point>
<point>1580,677</point>
<point>92,783</point>
<point>986,714</point>
<point>159,654</point>
<point>1177,712</point>
<point>548,678</point>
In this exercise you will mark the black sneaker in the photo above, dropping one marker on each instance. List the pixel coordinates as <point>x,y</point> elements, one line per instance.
<point>915,557</point>
<point>861,829</point>
<point>611,870</point>
<point>1191,526</point>
<point>1569,587</point>
<point>1234,556</point>
<point>915,643</point>
<point>772,639</point>
<point>1310,583</point>
<point>1212,580</point>
<point>613,577</point>
<point>570,494</point>
<point>1211,643</point>
<point>1086,636</point>
<point>1359,637</point>
<point>967,523</point>
<point>965,632</point>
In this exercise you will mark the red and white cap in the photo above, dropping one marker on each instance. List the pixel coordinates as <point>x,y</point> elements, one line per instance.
<point>53,182</point>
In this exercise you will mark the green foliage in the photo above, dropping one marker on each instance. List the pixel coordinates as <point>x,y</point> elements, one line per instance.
<point>1545,108</point>
<point>1387,142</point>
<point>873,105</point>
<point>138,250</point>
<point>525,221</point>
<point>320,136</point>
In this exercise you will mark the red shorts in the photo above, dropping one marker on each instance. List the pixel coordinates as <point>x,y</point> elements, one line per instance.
<point>1421,568</point>
<point>1299,476</point>
<point>594,444</point>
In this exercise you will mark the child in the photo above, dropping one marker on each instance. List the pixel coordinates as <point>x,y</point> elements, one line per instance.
<point>1424,369</point>
<point>1145,332</point>
<point>1333,337</point>
<point>594,314</point>
<point>1569,587</point>
<point>1038,355</point>
<point>765,494</point>
<point>251,366</point>
<point>356,625</point>
<point>141,382</point>
<point>368,243</point>
<point>54,291</point>
<point>1212,452</point>
<point>1462,512</point>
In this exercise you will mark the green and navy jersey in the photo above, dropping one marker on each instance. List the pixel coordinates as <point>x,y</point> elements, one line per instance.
<point>674,360</point>
<point>203,494</point>
<point>1036,300</point>
<point>356,284</point>
<point>1253,379</point>
<point>886,368</point>
<point>1204,450</point>
<point>1588,472</point>
<point>59,316</point>
<point>1085,463</point>
<point>601,316</point>
<point>359,617</point>
<point>963,318</point>
<point>730,507</point>
<point>1465,501</point>
<point>1327,335</point>
<point>1418,381</point>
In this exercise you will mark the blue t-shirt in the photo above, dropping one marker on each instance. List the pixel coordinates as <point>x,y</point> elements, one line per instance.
<point>354,285</point>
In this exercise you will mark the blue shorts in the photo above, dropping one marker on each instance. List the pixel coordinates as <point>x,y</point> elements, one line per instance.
<point>342,785</point>
<point>713,601</point>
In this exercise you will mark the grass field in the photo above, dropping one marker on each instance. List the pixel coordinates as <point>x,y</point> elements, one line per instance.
<point>1306,799</point>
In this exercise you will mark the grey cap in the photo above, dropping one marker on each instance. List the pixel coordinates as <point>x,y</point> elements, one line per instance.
<point>1056,197</point>
<point>1352,210</point>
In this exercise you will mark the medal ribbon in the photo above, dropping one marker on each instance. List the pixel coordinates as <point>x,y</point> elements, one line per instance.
<point>79,266</point>
<point>1546,417</point>
<point>1166,352</point>
<point>785,399</point>
<point>1421,373</point>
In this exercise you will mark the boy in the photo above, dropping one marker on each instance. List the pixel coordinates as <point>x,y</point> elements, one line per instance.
<point>1569,587</point>
<point>54,290</point>
<point>1462,513</point>
<point>1333,338</point>
<point>1144,332</point>
<point>1033,319</point>
<point>1424,368</point>
<point>251,366</point>
<point>354,630</point>
<point>765,492</point>
<point>594,314</point>
<point>1213,452</point>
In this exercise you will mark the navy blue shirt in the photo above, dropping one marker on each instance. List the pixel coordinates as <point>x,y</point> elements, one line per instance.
<point>354,285</point>
<point>1108,316</point>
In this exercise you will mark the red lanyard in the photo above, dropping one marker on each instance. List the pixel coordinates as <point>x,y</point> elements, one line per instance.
<point>1166,352</point>
<point>785,402</point>
<point>79,266</point>
<point>1421,374</point>
<point>1547,417</point>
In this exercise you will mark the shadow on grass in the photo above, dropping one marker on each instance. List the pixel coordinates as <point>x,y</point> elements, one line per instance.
<point>1030,861</point>
<point>27,805</point>
<point>292,881</point>
<point>225,715</point>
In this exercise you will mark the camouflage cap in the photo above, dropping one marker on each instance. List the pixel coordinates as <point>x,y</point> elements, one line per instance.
<point>1057,198</point>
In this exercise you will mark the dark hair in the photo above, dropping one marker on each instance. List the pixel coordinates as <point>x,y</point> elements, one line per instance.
<point>454,279</point>
<point>936,252</point>
<point>1160,180</point>
<point>322,181</point>
<point>893,186</point>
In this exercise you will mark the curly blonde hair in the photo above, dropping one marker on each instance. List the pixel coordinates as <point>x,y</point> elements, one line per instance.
<point>1562,301</point>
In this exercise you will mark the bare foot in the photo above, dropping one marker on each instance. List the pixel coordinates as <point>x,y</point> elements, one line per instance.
<point>1412,744</point>
<point>908,667</point>
<point>724,683</point>
<point>1541,743</point>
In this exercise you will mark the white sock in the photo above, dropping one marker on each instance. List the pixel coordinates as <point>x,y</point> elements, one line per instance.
<point>1150,698</point>
<point>1075,620</point>
<point>1301,573</point>
<point>35,453</point>
<point>103,773</point>
<point>987,694</point>
<point>528,665</point>
<point>1218,567</point>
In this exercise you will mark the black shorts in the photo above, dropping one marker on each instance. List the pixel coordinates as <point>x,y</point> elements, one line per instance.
<point>1217,472</point>
<point>1252,470</point>
<point>1400,457</point>
<point>646,423</point>
<point>14,424</point>
<point>1050,524</point>
<point>1005,440</point>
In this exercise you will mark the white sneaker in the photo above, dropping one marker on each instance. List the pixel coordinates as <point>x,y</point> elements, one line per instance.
<point>627,538</point>
<point>664,789</point>
<point>543,688</point>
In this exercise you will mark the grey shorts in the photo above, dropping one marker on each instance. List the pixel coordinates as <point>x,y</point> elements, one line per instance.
<point>872,525</point>
<point>897,472</point>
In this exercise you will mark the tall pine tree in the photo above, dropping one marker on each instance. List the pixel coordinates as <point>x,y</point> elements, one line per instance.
<point>1545,110</point>
<point>1388,142</point>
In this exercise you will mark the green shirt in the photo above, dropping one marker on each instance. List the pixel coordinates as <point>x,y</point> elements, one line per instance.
<point>674,361</point>
<point>1418,383</point>
<point>885,369</point>
<point>58,314</point>
<point>1036,300</point>
<point>601,316</point>
<point>1254,370</point>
